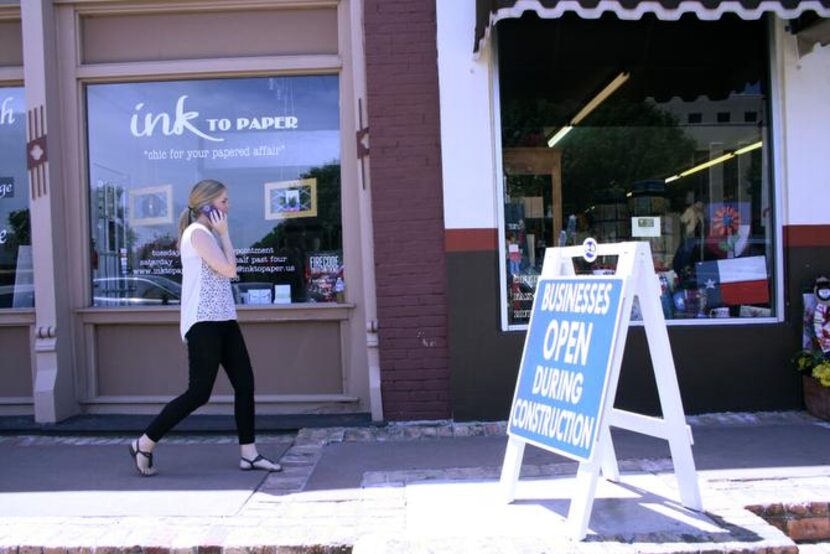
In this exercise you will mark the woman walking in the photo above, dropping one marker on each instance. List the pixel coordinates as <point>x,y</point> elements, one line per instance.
<point>209,328</point>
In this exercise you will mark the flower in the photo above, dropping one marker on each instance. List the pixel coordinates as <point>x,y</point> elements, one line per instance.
<point>726,221</point>
<point>814,364</point>
<point>822,373</point>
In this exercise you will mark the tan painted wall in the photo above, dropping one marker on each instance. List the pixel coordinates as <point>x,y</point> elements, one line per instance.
<point>307,358</point>
<point>166,36</point>
<point>302,355</point>
<point>289,358</point>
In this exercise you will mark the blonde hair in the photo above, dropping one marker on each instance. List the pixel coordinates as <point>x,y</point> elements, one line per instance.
<point>203,193</point>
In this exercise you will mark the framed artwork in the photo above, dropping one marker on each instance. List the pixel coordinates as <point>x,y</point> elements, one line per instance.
<point>290,199</point>
<point>151,205</point>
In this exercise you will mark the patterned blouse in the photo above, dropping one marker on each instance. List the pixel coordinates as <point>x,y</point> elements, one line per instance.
<point>206,295</point>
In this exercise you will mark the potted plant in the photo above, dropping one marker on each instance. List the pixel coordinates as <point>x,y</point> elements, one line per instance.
<point>815,375</point>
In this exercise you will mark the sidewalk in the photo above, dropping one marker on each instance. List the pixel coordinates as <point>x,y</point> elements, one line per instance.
<point>419,487</point>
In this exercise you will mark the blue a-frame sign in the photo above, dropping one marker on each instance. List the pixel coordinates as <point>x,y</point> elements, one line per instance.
<point>566,363</point>
<point>567,383</point>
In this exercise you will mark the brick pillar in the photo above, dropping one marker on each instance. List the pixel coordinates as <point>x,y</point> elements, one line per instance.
<point>407,207</point>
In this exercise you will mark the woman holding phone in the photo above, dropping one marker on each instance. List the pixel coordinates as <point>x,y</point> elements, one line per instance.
<point>209,328</point>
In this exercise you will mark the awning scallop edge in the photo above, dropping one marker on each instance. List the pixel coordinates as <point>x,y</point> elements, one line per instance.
<point>489,12</point>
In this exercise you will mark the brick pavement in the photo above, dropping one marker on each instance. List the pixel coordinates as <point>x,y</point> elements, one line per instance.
<point>380,515</point>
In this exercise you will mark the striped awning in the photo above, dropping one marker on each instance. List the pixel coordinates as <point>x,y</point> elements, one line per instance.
<point>489,12</point>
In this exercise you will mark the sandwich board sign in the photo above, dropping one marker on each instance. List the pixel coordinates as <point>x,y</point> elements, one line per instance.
<point>567,382</point>
<point>565,367</point>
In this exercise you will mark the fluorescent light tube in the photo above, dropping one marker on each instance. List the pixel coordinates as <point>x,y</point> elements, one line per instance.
<point>710,163</point>
<point>750,148</point>
<point>560,134</point>
<point>589,107</point>
<point>600,98</point>
<point>715,161</point>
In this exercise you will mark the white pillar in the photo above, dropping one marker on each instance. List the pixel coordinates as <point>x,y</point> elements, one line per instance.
<point>367,241</point>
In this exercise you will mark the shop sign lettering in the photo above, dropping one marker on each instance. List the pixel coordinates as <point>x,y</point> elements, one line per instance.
<point>258,123</point>
<point>565,364</point>
<point>6,112</point>
<point>324,264</point>
<point>180,122</point>
<point>6,187</point>
<point>145,124</point>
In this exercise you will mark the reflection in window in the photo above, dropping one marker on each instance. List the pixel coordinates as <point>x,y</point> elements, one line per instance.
<point>16,276</point>
<point>635,140</point>
<point>274,141</point>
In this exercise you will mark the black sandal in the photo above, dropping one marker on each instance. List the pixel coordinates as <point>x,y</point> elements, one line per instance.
<point>247,465</point>
<point>134,453</point>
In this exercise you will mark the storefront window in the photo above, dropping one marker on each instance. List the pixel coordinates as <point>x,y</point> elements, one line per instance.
<point>16,277</point>
<point>274,141</point>
<point>640,131</point>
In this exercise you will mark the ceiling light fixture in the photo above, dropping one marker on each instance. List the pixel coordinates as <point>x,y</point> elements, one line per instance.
<point>750,148</point>
<point>589,107</point>
<point>716,161</point>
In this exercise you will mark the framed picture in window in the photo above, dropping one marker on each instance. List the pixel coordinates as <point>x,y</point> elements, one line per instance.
<point>291,199</point>
<point>151,205</point>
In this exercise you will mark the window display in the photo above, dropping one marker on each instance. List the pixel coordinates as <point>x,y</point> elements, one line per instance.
<point>16,276</point>
<point>274,141</point>
<point>637,130</point>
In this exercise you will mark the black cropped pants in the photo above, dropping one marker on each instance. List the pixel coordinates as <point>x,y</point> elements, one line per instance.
<point>209,344</point>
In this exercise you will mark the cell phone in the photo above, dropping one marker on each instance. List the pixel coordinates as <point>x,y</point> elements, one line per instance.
<point>208,210</point>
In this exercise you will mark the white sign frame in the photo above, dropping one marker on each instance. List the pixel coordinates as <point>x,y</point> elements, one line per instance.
<point>635,266</point>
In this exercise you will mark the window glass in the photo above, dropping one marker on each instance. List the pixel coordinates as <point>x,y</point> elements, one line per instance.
<point>626,131</point>
<point>274,141</point>
<point>16,277</point>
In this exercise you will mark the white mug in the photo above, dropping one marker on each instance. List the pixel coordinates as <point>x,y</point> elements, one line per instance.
<point>723,311</point>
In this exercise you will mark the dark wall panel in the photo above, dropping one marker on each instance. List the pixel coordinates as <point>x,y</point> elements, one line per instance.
<point>15,361</point>
<point>11,44</point>
<point>719,367</point>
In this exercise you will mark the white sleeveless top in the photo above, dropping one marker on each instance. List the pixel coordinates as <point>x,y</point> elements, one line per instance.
<point>206,295</point>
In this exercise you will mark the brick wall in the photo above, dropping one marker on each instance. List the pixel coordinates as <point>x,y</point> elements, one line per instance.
<point>407,207</point>
<point>806,521</point>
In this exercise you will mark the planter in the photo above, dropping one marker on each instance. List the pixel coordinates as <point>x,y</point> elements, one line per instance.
<point>816,397</point>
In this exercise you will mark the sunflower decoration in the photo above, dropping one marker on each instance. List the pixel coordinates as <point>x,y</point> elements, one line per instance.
<point>726,221</point>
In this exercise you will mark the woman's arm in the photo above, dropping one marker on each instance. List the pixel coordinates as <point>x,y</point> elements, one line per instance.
<point>221,260</point>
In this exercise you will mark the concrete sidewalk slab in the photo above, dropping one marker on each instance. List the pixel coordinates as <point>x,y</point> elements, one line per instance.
<point>433,487</point>
<point>640,504</point>
<point>345,464</point>
<point>99,480</point>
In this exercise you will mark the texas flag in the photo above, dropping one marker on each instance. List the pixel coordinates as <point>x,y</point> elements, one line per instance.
<point>734,281</point>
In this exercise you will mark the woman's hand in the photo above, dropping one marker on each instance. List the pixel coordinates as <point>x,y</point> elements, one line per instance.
<point>219,221</point>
